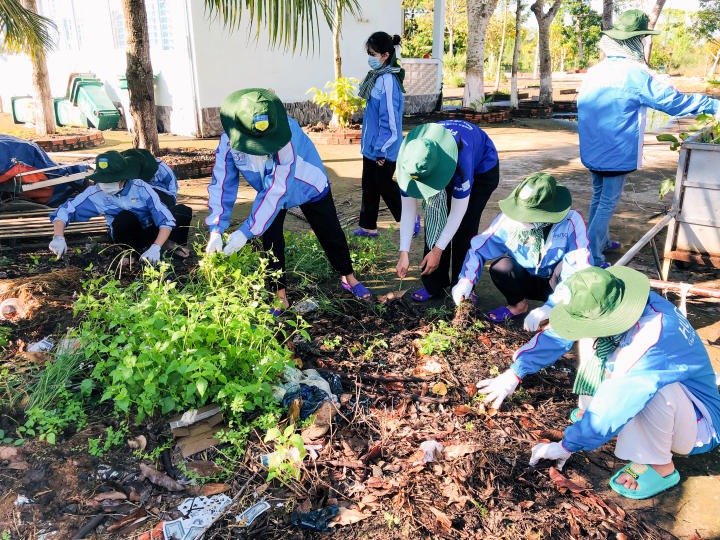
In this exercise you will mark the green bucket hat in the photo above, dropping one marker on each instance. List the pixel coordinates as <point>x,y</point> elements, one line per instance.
<point>537,199</point>
<point>630,24</point>
<point>146,161</point>
<point>256,122</point>
<point>602,302</point>
<point>426,161</point>
<point>113,167</point>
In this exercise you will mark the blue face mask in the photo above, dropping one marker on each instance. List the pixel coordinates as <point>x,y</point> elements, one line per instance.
<point>374,62</point>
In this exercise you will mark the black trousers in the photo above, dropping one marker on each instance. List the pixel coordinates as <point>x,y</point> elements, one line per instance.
<point>182,215</point>
<point>323,220</point>
<point>453,256</point>
<point>377,182</point>
<point>127,229</point>
<point>516,283</point>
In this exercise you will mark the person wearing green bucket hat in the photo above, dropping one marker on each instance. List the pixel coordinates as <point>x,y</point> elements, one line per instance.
<point>452,166</point>
<point>612,104</point>
<point>275,156</point>
<point>536,242</point>
<point>655,386</point>
<point>134,213</point>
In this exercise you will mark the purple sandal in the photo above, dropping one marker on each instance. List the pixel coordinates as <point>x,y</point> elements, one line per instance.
<point>366,234</point>
<point>612,245</point>
<point>501,314</point>
<point>359,291</point>
<point>421,295</point>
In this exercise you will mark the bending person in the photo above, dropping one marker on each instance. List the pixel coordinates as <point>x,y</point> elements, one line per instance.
<point>281,163</point>
<point>453,167</point>
<point>537,241</point>
<point>656,388</point>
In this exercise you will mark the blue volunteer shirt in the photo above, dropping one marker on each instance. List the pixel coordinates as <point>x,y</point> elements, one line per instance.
<point>476,155</point>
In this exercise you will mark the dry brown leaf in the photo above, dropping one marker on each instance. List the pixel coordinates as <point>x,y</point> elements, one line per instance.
<point>440,389</point>
<point>458,450</point>
<point>160,479</point>
<point>208,490</point>
<point>561,482</point>
<point>431,367</point>
<point>526,504</point>
<point>203,468</point>
<point>463,410</point>
<point>139,514</point>
<point>137,443</point>
<point>471,389</point>
<point>441,517</point>
<point>110,496</point>
<point>348,516</point>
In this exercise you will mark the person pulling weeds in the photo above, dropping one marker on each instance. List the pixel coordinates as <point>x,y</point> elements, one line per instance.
<point>281,163</point>
<point>133,211</point>
<point>452,166</point>
<point>656,388</point>
<point>537,241</point>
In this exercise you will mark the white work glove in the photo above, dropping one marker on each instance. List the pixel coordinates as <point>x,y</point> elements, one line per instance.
<point>498,388</point>
<point>235,242</point>
<point>552,451</point>
<point>58,246</point>
<point>152,254</point>
<point>462,290</point>
<point>535,317</point>
<point>215,243</point>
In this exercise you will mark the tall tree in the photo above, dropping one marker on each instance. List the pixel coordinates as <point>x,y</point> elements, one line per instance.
<point>44,111</point>
<point>455,10</point>
<point>544,19</point>
<point>653,17</point>
<point>139,75</point>
<point>501,52</point>
<point>607,14</point>
<point>479,13</point>
<point>514,101</point>
<point>707,26</point>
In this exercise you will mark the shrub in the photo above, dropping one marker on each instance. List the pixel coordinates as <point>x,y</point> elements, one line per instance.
<point>341,98</point>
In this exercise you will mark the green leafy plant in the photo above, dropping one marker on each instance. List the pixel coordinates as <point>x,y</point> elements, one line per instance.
<point>113,437</point>
<point>284,462</point>
<point>481,104</point>
<point>47,423</point>
<point>341,97</point>
<point>4,336</point>
<point>392,520</point>
<point>438,340</point>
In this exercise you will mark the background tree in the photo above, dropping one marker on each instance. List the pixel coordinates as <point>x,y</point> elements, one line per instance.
<point>544,19</point>
<point>139,75</point>
<point>707,26</point>
<point>417,35</point>
<point>22,30</point>
<point>479,13</point>
<point>514,101</point>
<point>607,14</point>
<point>653,17</point>
<point>455,23</point>
<point>503,39</point>
<point>583,34</point>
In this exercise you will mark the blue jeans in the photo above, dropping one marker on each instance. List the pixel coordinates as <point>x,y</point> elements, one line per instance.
<point>607,191</point>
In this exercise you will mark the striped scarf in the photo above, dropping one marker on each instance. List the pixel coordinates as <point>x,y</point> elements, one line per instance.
<point>591,373</point>
<point>435,217</point>
<point>369,81</point>
<point>627,48</point>
<point>530,235</point>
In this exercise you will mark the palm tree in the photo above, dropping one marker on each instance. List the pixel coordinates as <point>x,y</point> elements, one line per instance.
<point>24,31</point>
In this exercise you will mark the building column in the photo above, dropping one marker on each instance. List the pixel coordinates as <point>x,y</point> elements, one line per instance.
<point>438,29</point>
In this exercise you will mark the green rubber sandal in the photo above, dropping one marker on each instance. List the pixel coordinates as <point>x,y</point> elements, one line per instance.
<point>650,483</point>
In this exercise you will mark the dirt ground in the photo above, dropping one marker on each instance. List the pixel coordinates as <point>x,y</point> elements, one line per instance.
<point>525,147</point>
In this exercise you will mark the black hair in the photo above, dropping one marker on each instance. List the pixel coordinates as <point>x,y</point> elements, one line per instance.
<point>382,42</point>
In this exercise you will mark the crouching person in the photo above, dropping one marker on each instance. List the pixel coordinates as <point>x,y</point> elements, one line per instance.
<point>656,388</point>
<point>132,209</point>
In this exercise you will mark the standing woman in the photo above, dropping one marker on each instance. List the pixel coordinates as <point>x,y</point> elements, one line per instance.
<point>381,130</point>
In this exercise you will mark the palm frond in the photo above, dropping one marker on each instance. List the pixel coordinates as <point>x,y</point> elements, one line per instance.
<point>23,30</point>
<point>291,24</point>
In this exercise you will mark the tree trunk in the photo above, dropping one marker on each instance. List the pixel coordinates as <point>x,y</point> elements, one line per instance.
<point>580,43</point>
<point>514,101</point>
<point>337,31</point>
<point>44,112</point>
<point>652,21</point>
<point>502,47</point>
<point>544,20</point>
<point>140,76</point>
<point>451,37</point>
<point>711,73</point>
<point>479,13</point>
<point>607,14</point>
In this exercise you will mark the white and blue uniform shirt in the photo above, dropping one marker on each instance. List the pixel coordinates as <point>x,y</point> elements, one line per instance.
<point>382,121</point>
<point>165,179</point>
<point>294,175</point>
<point>476,154</point>
<point>660,349</point>
<point>612,102</point>
<point>136,196</point>
<point>566,243</point>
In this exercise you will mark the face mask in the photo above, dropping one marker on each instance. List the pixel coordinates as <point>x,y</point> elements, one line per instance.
<point>374,62</point>
<point>111,188</point>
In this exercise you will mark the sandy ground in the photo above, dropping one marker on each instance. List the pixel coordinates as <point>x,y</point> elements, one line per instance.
<point>526,147</point>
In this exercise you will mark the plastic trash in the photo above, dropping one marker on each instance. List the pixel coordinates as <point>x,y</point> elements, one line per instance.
<point>200,512</point>
<point>106,472</point>
<point>249,515</point>
<point>45,344</point>
<point>317,520</point>
<point>11,309</point>
<point>311,397</point>
<point>22,499</point>
<point>431,448</point>
<point>308,305</point>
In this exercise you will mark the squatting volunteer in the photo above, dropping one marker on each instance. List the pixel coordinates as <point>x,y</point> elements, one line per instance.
<point>133,211</point>
<point>656,388</point>
<point>279,161</point>
<point>537,241</point>
<point>453,167</point>
<point>612,102</point>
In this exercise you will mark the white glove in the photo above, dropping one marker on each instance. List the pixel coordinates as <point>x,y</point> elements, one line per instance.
<point>498,388</point>
<point>215,243</point>
<point>462,290</point>
<point>235,242</point>
<point>535,317</point>
<point>152,254</point>
<point>552,451</point>
<point>58,246</point>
